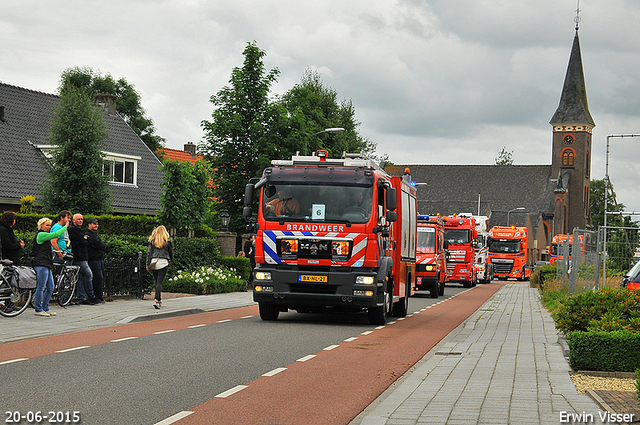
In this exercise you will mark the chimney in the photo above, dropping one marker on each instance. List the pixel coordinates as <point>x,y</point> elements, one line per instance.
<point>2,118</point>
<point>106,101</point>
<point>191,148</point>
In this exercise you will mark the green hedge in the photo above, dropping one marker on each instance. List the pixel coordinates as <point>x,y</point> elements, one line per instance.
<point>604,351</point>
<point>542,275</point>
<point>241,264</point>
<point>135,225</point>
<point>606,309</point>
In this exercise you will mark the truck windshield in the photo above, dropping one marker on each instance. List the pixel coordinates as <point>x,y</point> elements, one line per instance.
<point>502,245</point>
<point>426,240</point>
<point>456,235</point>
<point>317,202</point>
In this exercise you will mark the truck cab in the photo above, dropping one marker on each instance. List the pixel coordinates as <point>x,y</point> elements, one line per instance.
<point>431,258</point>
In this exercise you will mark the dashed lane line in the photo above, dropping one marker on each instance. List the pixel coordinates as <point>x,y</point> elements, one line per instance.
<point>305,358</point>
<point>275,371</point>
<point>164,332</point>
<point>232,391</point>
<point>124,339</point>
<point>72,349</point>
<point>13,361</point>
<point>331,347</point>
<point>174,418</point>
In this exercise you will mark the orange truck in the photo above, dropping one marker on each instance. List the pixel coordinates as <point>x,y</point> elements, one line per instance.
<point>431,262</point>
<point>461,236</point>
<point>508,252</point>
<point>344,241</point>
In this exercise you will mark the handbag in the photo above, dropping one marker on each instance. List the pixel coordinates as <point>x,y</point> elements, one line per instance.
<point>24,277</point>
<point>152,263</point>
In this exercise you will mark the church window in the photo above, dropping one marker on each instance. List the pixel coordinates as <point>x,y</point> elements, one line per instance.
<point>567,157</point>
<point>588,165</point>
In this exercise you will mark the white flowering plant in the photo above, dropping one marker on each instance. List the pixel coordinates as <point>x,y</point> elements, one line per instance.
<point>205,280</point>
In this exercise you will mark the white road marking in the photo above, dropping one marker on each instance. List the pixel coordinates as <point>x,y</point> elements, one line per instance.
<point>222,321</point>
<point>124,339</point>
<point>174,418</point>
<point>232,391</point>
<point>275,371</point>
<point>13,361</point>
<point>72,349</point>
<point>353,338</point>
<point>305,358</point>
<point>197,326</point>
<point>331,347</point>
<point>164,332</point>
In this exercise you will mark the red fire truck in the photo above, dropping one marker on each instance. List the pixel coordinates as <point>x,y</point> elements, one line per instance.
<point>508,252</point>
<point>431,262</point>
<point>460,234</point>
<point>333,234</point>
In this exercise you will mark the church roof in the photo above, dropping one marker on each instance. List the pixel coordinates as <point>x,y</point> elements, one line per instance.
<point>573,107</point>
<point>453,189</point>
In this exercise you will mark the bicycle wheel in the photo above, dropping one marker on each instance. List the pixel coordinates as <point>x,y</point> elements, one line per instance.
<point>17,302</point>
<point>66,286</point>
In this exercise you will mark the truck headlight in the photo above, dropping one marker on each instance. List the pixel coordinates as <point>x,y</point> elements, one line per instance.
<point>262,276</point>
<point>365,280</point>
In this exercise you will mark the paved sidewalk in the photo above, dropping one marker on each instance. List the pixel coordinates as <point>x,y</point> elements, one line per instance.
<point>120,311</point>
<point>503,365</point>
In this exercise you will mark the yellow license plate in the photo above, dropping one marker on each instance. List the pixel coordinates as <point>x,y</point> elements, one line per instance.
<point>309,278</point>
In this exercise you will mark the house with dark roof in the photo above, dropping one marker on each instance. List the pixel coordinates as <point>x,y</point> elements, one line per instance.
<point>25,121</point>
<point>547,199</point>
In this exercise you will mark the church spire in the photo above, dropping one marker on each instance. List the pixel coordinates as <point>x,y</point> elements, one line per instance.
<point>573,107</point>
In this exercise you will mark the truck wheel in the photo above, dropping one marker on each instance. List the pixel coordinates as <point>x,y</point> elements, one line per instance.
<point>378,315</point>
<point>401,307</point>
<point>435,288</point>
<point>268,311</point>
<point>441,289</point>
<point>467,284</point>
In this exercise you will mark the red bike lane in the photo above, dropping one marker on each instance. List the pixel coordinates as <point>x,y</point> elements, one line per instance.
<point>340,382</point>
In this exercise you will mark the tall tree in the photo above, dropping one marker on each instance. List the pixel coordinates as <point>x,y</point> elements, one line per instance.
<point>313,107</point>
<point>596,206</point>
<point>236,137</point>
<point>185,201</point>
<point>127,100</point>
<point>76,181</point>
<point>504,157</point>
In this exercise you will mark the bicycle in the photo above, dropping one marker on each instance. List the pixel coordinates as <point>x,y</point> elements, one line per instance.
<point>13,300</point>
<point>65,278</point>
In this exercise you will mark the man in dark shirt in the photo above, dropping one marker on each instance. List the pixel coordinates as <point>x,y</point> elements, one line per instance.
<point>79,247</point>
<point>96,258</point>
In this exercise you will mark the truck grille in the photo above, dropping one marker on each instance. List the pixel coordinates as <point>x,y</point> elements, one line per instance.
<point>313,289</point>
<point>501,266</point>
<point>457,256</point>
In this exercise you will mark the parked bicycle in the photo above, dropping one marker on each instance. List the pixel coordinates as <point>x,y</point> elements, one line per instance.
<point>65,279</point>
<point>13,300</point>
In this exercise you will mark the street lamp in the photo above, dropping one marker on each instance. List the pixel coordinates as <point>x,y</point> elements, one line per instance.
<point>326,130</point>
<point>330,130</point>
<point>225,218</point>
<point>509,212</point>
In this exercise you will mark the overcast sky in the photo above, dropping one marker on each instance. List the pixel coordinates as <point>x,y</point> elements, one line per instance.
<point>432,81</point>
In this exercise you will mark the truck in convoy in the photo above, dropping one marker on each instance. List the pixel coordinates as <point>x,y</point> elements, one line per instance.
<point>508,252</point>
<point>461,237</point>
<point>482,266</point>
<point>332,234</point>
<point>555,249</point>
<point>431,261</point>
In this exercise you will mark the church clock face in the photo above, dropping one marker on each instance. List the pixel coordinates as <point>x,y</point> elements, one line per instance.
<point>568,139</point>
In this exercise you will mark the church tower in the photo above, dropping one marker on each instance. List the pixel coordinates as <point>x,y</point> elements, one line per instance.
<point>571,162</point>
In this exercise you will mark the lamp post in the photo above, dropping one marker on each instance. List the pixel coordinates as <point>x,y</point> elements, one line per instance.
<point>326,130</point>
<point>509,212</point>
<point>225,218</point>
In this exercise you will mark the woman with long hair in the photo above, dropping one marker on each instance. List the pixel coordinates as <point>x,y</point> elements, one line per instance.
<point>159,256</point>
<point>43,264</point>
<point>11,246</point>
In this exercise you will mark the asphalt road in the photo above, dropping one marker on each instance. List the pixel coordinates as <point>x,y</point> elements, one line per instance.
<point>144,373</point>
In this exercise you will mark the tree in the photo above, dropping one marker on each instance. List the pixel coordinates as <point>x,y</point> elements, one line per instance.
<point>75,179</point>
<point>504,157</point>
<point>312,107</point>
<point>185,201</point>
<point>127,102</point>
<point>596,206</point>
<point>237,138</point>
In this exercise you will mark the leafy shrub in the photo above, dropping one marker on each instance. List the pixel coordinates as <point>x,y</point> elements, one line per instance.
<point>637,383</point>
<point>205,280</point>
<point>541,276</point>
<point>605,351</point>
<point>241,264</point>
<point>577,312</point>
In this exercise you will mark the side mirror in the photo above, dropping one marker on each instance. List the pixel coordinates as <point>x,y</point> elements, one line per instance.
<point>248,195</point>
<point>391,199</point>
<point>446,244</point>
<point>392,216</point>
<point>247,212</point>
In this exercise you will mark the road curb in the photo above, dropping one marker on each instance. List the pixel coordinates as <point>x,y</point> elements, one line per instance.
<point>156,316</point>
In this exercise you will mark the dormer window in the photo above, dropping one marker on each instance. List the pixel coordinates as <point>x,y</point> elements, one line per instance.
<point>122,169</point>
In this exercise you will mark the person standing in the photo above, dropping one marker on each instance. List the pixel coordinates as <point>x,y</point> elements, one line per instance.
<point>250,252</point>
<point>79,247</point>
<point>60,245</point>
<point>159,256</point>
<point>43,264</point>
<point>95,253</point>
<point>11,246</point>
